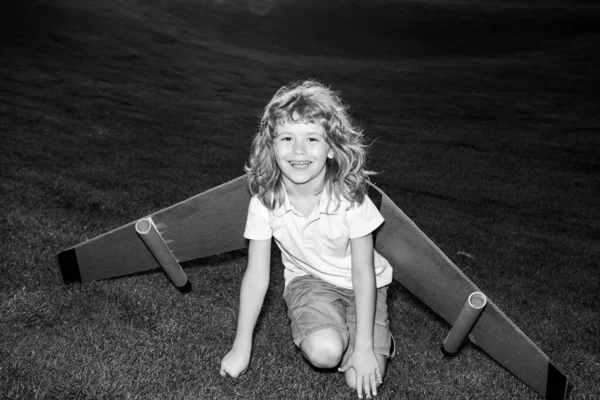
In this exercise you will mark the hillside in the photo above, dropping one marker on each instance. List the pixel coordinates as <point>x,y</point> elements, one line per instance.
<point>484,128</point>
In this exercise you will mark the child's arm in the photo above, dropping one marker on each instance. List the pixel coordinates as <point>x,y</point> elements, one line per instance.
<point>363,359</point>
<point>252,295</point>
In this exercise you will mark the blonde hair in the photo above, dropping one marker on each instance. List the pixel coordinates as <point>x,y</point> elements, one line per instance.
<point>309,102</point>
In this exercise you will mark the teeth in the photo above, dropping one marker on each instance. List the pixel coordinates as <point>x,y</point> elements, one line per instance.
<point>299,162</point>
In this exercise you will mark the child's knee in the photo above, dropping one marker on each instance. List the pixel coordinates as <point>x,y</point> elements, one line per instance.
<point>324,348</point>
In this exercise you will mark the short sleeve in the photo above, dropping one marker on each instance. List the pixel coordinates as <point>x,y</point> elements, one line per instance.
<point>363,219</point>
<point>258,223</point>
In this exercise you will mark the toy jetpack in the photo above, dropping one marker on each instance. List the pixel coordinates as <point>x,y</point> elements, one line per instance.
<point>213,222</point>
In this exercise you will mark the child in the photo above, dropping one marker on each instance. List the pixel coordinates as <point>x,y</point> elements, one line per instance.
<point>306,174</point>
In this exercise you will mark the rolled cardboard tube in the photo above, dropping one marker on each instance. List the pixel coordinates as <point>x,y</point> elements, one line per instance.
<point>464,323</point>
<point>147,231</point>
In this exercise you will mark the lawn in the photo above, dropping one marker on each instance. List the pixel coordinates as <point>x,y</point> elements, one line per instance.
<point>483,119</point>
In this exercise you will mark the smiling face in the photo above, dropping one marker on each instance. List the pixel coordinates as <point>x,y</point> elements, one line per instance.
<point>301,152</point>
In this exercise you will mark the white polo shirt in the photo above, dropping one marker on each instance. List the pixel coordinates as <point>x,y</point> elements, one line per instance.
<point>319,244</point>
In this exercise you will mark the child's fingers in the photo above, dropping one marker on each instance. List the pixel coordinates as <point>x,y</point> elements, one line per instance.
<point>222,371</point>
<point>234,375</point>
<point>369,385</point>
<point>359,386</point>
<point>368,388</point>
<point>345,367</point>
<point>379,377</point>
<point>373,382</point>
<point>231,372</point>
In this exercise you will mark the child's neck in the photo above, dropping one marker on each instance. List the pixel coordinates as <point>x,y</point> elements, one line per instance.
<point>303,199</point>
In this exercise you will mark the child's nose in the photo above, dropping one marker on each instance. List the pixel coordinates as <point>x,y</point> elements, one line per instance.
<point>299,147</point>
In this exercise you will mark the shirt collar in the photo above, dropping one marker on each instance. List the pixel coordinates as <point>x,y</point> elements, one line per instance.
<point>326,205</point>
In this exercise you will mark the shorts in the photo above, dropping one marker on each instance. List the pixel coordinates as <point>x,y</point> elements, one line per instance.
<point>314,304</point>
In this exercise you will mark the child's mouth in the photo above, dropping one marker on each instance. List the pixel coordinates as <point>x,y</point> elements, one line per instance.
<point>300,164</point>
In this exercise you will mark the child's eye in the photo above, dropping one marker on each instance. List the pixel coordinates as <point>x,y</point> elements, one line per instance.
<point>312,139</point>
<point>285,138</point>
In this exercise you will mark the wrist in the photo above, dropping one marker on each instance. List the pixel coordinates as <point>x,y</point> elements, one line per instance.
<point>364,338</point>
<point>362,345</point>
<point>242,344</point>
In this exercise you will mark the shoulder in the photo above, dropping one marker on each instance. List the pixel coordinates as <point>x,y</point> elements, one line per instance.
<point>258,208</point>
<point>256,203</point>
<point>258,222</point>
<point>365,207</point>
<point>363,218</point>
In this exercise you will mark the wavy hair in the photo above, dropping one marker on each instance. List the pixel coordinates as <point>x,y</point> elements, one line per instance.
<point>309,102</point>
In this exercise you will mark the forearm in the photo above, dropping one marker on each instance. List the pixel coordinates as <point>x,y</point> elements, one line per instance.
<point>365,290</point>
<point>252,294</point>
<point>365,293</point>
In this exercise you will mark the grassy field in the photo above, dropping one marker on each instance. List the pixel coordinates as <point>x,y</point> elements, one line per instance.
<point>484,122</point>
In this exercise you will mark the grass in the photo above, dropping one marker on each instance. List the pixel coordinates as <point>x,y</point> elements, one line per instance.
<point>484,127</point>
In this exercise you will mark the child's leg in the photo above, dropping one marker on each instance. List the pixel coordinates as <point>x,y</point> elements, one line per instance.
<point>317,313</point>
<point>324,348</point>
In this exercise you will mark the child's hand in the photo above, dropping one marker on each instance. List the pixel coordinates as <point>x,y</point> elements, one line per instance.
<point>235,363</point>
<point>365,365</point>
